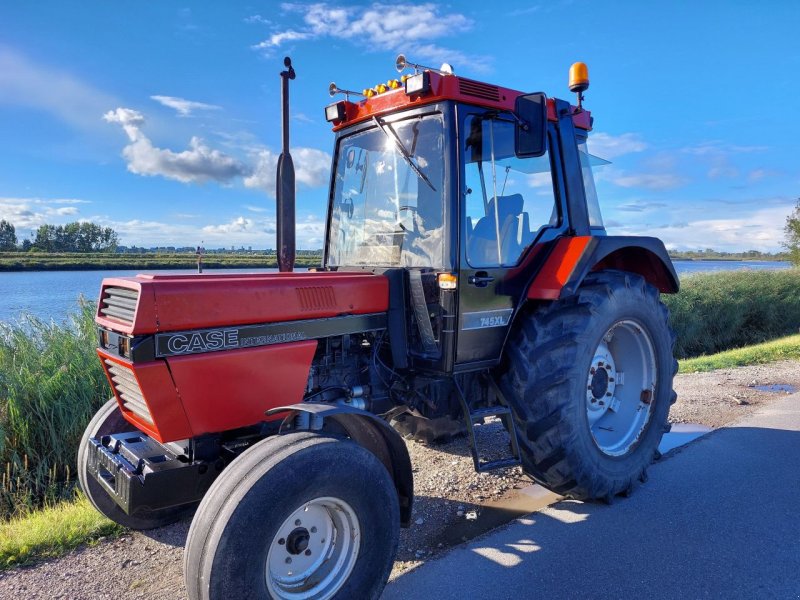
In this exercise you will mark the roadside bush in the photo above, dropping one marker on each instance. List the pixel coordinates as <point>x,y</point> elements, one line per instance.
<point>720,311</point>
<point>51,384</point>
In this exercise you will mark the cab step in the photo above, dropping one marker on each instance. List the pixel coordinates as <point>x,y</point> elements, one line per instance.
<point>477,415</point>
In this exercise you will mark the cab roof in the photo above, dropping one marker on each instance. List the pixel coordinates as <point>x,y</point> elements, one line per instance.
<point>445,87</point>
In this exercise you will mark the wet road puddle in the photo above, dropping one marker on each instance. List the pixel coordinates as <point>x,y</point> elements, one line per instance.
<point>490,515</point>
<point>777,388</point>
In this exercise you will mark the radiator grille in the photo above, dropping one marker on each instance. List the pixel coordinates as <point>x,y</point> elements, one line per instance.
<point>128,390</point>
<point>479,90</point>
<point>316,298</point>
<point>119,304</point>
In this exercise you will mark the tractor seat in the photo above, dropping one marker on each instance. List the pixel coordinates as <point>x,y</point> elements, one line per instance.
<point>482,243</point>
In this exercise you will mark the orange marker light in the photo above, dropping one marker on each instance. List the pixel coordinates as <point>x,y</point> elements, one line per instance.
<point>447,281</point>
<point>578,77</point>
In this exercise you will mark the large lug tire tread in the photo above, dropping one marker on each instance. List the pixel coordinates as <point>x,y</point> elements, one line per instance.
<point>106,421</point>
<point>543,377</point>
<point>229,538</point>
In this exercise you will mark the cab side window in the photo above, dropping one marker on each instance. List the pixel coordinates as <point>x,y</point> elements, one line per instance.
<point>508,199</point>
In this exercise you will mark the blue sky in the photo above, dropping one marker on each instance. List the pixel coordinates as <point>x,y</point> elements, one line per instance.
<point>161,119</point>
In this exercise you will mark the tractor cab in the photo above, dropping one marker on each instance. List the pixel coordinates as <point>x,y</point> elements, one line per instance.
<point>451,187</point>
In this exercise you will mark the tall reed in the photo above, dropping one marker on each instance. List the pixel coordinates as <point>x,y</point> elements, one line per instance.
<point>720,311</point>
<point>51,384</point>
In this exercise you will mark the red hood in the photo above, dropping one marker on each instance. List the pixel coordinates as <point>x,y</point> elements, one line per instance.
<point>155,303</point>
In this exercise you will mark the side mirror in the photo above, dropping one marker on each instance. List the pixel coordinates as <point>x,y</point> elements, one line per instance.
<point>530,139</point>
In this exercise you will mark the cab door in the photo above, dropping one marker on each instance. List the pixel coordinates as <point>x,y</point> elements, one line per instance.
<point>507,205</point>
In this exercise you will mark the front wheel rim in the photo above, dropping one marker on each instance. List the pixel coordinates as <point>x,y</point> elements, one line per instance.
<point>314,551</point>
<point>621,387</point>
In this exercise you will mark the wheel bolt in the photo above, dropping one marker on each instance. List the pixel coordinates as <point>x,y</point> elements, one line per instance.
<point>602,403</point>
<point>288,560</point>
<point>308,552</point>
<point>608,393</point>
<point>297,522</point>
<point>281,541</point>
<point>313,530</point>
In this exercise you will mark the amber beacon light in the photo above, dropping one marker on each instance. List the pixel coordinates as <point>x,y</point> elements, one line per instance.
<point>579,80</point>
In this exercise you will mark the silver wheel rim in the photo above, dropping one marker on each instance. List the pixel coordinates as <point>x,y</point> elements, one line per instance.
<point>313,551</point>
<point>621,387</point>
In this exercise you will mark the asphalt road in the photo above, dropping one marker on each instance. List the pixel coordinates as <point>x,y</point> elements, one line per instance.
<point>719,518</point>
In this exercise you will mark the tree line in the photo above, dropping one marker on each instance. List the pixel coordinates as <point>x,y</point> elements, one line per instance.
<point>73,237</point>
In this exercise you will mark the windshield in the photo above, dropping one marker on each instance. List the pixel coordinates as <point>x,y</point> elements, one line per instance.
<point>388,196</point>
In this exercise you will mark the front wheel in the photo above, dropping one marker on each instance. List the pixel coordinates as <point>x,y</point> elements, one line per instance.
<point>589,380</point>
<point>296,516</point>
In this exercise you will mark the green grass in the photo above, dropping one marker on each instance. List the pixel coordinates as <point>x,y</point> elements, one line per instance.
<point>719,311</point>
<point>52,531</point>
<point>787,348</point>
<point>51,384</point>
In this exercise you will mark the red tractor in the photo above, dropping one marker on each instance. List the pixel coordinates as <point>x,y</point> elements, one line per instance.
<point>466,274</point>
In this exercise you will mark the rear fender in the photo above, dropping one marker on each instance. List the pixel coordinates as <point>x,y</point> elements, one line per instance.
<point>573,258</point>
<point>368,431</point>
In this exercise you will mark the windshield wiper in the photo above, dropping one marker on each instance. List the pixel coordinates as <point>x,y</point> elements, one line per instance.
<point>392,135</point>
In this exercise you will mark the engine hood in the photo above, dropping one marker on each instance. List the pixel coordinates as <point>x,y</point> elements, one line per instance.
<point>148,304</point>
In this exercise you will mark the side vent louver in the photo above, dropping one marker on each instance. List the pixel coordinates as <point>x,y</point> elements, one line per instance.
<point>316,298</point>
<point>119,304</point>
<point>479,90</point>
<point>128,390</point>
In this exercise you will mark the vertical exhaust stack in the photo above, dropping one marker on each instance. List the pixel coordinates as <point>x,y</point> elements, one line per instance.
<point>284,193</point>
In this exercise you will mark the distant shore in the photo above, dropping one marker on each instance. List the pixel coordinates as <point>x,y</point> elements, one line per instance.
<point>40,261</point>
<point>18,261</point>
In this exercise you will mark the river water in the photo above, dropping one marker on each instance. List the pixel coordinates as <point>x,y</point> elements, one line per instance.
<point>53,294</point>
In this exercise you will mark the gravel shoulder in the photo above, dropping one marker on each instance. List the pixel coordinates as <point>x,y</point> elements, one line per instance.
<point>452,502</point>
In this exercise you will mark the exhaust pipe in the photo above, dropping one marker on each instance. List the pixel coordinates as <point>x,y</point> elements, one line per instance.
<point>284,193</point>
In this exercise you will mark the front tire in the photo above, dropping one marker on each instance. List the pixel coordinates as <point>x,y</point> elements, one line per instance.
<point>296,516</point>
<point>106,421</point>
<point>589,381</point>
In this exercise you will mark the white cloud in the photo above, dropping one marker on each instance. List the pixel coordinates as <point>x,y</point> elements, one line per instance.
<point>407,27</point>
<point>183,107</point>
<point>312,168</point>
<point>33,86</point>
<point>276,39</point>
<point>198,164</point>
<point>723,171</point>
<point>746,229</point>
<point>640,206</point>
<point>30,213</point>
<point>650,181</point>
<point>610,146</point>
<point>257,19</point>
<point>717,148</point>
<point>238,231</point>
<point>238,225</point>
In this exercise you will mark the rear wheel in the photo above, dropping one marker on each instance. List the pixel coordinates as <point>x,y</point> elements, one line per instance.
<point>106,421</point>
<point>589,380</point>
<point>296,516</point>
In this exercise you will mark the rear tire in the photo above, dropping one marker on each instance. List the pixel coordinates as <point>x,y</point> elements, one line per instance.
<point>589,380</point>
<point>255,527</point>
<point>106,421</point>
